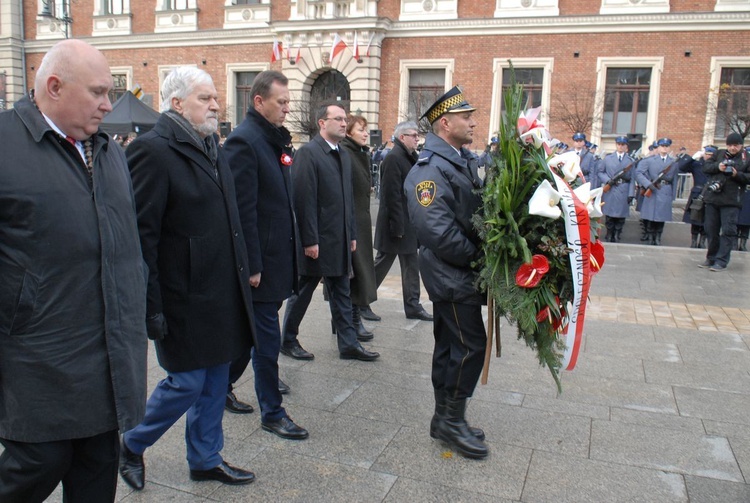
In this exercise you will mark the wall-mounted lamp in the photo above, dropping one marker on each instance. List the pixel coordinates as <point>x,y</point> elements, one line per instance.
<point>688,54</point>
<point>145,63</point>
<point>203,61</point>
<point>576,54</point>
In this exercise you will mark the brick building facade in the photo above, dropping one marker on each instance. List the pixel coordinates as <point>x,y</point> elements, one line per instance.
<point>649,67</point>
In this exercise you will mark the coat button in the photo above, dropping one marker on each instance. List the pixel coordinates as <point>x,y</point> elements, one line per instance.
<point>236,233</point>
<point>241,268</point>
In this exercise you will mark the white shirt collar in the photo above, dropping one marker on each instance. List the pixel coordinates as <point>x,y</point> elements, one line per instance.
<point>79,145</point>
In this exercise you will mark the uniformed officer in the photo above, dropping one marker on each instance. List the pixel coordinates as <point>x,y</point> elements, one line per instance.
<point>656,174</point>
<point>587,162</point>
<point>615,173</point>
<point>441,192</point>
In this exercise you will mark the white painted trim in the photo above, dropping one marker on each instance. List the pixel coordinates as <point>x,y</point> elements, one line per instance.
<point>501,64</point>
<point>127,70</point>
<point>732,5</point>
<point>408,64</point>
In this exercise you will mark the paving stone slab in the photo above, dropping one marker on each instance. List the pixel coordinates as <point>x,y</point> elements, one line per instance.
<point>288,477</point>
<point>556,405</point>
<point>617,393</point>
<point>407,490</point>
<point>610,365</point>
<point>632,349</point>
<point>338,438</point>
<point>532,428</point>
<point>727,429</point>
<point>567,479</point>
<point>714,405</point>
<point>413,454</point>
<point>657,420</point>
<point>156,492</point>
<point>703,490</point>
<point>381,402</point>
<point>321,391</point>
<point>741,448</point>
<point>698,375</point>
<point>695,337</point>
<point>734,357</point>
<point>664,449</point>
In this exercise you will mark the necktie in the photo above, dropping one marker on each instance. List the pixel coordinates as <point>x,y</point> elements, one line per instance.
<point>663,159</point>
<point>619,158</point>
<point>71,140</point>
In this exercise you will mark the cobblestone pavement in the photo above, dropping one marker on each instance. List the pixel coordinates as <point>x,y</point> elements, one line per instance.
<point>657,410</point>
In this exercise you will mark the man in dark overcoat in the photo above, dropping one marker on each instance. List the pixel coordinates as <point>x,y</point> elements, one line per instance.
<point>72,287</point>
<point>442,191</point>
<point>694,166</point>
<point>199,299</point>
<point>394,234</point>
<point>322,177</point>
<point>620,186</point>
<point>259,155</point>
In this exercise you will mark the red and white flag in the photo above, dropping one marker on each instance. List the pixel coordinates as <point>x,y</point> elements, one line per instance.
<point>299,55</point>
<point>355,50</point>
<point>337,47</point>
<point>369,43</point>
<point>276,52</point>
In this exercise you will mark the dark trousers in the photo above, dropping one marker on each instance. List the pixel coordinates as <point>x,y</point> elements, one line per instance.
<point>720,225</point>
<point>265,357</point>
<point>339,301</point>
<point>460,340</point>
<point>409,263</point>
<point>201,394</point>
<point>87,468</point>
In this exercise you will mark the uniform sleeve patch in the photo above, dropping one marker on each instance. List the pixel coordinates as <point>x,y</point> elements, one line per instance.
<point>426,192</point>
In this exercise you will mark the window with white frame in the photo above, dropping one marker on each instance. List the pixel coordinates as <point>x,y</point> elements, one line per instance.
<point>627,97</point>
<point>120,85</point>
<point>422,82</point>
<point>535,74</point>
<point>240,77</point>
<point>634,7</point>
<point>178,4</point>
<point>728,98</point>
<point>114,7</point>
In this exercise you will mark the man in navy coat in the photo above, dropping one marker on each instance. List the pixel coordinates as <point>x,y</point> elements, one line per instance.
<point>259,154</point>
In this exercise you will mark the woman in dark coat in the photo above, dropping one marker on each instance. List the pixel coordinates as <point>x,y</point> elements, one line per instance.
<point>363,285</point>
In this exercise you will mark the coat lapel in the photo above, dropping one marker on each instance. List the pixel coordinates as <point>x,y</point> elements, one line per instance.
<point>182,143</point>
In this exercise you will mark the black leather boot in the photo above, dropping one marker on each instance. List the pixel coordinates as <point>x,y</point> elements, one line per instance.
<point>694,241</point>
<point>657,238</point>
<point>362,333</point>
<point>644,231</point>
<point>454,431</point>
<point>702,241</point>
<point>440,413</point>
<point>743,245</point>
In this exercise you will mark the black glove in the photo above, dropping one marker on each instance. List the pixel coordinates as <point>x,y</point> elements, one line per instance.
<point>630,200</point>
<point>156,327</point>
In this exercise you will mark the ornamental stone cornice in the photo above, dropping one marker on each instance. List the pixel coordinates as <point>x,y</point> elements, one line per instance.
<point>702,21</point>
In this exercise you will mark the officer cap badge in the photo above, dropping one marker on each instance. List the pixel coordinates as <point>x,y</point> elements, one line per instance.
<point>451,102</point>
<point>622,139</point>
<point>664,142</point>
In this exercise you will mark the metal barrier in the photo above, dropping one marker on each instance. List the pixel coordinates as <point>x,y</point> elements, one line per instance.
<point>684,183</point>
<point>375,172</point>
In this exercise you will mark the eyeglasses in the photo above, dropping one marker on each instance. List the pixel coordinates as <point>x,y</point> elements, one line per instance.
<point>413,135</point>
<point>337,119</point>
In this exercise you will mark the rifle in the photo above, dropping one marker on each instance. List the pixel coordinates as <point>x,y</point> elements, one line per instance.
<point>647,192</point>
<point>620,174</point>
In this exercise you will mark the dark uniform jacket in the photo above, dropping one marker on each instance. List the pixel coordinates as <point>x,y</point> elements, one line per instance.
<point>363,285</point>
<point>264,197</point>
<point>324,206</point>
<point>194,248</point>
<point>393,214</point>
<point>441,193</point>
<point>732,187</point>
<point>72,287</point>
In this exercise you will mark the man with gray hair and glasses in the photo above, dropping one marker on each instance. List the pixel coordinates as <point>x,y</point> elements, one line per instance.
<point>394,234</point>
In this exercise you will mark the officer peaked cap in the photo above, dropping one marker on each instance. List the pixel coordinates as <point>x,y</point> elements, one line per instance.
<point>450,103</point>
<point>664,142</point>
<point>579,136</point>
<point>621,139</point>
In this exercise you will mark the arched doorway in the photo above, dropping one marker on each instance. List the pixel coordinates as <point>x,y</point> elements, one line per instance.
<point>330,86</point>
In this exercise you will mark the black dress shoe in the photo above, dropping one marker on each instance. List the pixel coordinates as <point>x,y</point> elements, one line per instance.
<point>297,352</point>
<point>132,469</point>
<point>285,428</point>
<point>231,404</point>
<point>224,473</point>
<point>420,315</point>
<point>367,314</point>
<point>359,353</point>
<point>283,388</point>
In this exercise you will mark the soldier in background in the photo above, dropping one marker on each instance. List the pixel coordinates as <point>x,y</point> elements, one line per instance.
<point>656,174</point>
<point>587,162</point>
<point>620,187</point>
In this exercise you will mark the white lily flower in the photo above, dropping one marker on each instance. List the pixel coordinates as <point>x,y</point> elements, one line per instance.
<point>537,136</point>
<point>568,163</point>
<point>544,201</point>
<point>595,203</point>
<point>583,193</point>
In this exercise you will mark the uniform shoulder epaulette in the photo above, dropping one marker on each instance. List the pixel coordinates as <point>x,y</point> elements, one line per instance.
<point>424,157</point>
